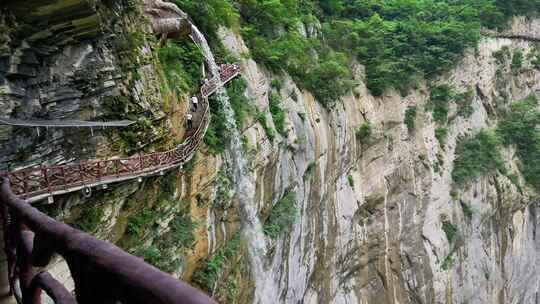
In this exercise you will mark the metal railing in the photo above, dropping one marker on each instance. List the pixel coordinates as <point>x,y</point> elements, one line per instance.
<point>102,272</point>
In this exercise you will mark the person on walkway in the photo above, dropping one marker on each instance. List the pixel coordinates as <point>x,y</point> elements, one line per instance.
<point>195,101</point>
<point>189,119</point>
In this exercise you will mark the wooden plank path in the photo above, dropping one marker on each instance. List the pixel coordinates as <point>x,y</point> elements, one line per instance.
<point>41,182</point>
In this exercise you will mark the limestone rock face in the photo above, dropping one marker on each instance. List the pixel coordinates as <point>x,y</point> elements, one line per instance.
<point>370,228</point>
<point>71,60</point>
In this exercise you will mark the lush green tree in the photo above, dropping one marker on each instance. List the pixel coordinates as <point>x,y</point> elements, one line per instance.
<point>209,14</point>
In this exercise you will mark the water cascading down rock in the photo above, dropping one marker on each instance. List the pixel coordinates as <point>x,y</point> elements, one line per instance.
<point>265,287</point>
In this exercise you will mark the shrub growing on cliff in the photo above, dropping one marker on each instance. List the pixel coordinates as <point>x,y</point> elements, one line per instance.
<point>450,231</point>
<point>278,115</point>
<point>517,62</point>
<point>464,102</point>
<point>183,230</point>
<point>350,179</point>
<point>261,118</point>
<point>439,100</point>
<point>217,133</point>
<point>467,210</point>
<point>329,79</point>
<point>519,128</point>
<point>182,65</point>
<point>139,222</point>
<point>150,254</point>
<point>410,118</point>
<point>239,102</point>
<point>209,272</point>
<point>282,216</point>
<point>90,219</point>
<point>441,133</point>
<point>310,169</point>
<point>448,262</point>
<point>477,155</point>
<point>364,132</point>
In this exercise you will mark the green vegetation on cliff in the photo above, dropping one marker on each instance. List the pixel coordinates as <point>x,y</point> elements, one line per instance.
<point>519,128</point>
<point>282,216</point>
<point>208,274</point>
<point>182,62</point>
<point>364,132</point>
<point>399,42</point>
<point>278,115</point>
<point>410,118</point>
<point>477,155</point>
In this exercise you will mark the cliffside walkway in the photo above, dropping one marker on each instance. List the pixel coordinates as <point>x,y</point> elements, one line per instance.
<point>517,36</point>
<point>64,123</point>
<point>41,182</point>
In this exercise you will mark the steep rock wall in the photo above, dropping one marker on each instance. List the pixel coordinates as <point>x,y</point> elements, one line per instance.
<point>370,227</point>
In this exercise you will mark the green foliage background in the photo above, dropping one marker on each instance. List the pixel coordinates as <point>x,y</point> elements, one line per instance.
<point>398,41</point>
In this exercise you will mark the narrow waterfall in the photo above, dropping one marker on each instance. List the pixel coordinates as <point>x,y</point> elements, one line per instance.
<point>265,287</point>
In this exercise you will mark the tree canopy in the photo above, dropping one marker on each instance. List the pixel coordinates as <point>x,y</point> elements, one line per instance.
<point>398,41</point>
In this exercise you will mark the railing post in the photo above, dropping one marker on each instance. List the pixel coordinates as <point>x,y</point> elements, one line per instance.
<point>64,179</point>
<point>99,171</point>
<point>45,173</point>
<point>25,184</point>
<point>81,175</point>
<point>117,167</point>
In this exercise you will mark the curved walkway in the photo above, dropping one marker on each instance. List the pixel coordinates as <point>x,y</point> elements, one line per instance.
<point>41,182</point>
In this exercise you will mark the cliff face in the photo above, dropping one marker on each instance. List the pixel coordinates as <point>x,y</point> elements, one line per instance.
<point>379,218</point>
<point>75,60</point>
<point>375,214</point>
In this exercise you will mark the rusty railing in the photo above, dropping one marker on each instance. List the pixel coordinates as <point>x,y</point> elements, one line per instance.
<point>102,272</point>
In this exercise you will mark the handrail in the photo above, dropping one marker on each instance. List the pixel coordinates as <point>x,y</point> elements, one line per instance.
<point>39,182</point>
<point>102,272</point>
<point>56,123</point>
<point>510,35</point>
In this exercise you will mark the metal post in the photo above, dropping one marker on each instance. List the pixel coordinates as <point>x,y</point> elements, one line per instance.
<point>81,176</point>
<point>63,173</point>
<point>44,172</point>
<point>98,170</point>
